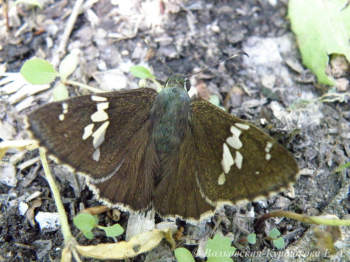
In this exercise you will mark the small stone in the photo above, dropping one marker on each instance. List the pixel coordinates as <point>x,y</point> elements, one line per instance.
<point>8,174</point>
<point>22,208</point>
<point>48,222</point>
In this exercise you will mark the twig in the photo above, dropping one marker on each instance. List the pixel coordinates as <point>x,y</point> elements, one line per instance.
<point>92,89</point>
<point>6,11</point>
<point>61,50</point>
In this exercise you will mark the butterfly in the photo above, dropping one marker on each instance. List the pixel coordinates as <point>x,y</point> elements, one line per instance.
<point>182,156</point>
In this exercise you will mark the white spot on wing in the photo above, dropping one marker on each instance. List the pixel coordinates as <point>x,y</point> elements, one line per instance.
<point>268,147</point>
<point>96,155</point>
<point>242,126</point>
<point>64,111</point>
<point>267,150</point>
<point>227,159</point>
<point>100,115</point>
<point>239,160</point>
<point>98,98</point>
<point>235,131</point>
<point>102,106</point>
<point>268,156</point>
<point>88,131</point>
<point>222,179</point>
<point>99,135</point>
<point>65,108</point>
<point>234,142</point>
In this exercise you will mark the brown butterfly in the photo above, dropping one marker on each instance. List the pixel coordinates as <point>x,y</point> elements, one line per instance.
<point>140,149</point>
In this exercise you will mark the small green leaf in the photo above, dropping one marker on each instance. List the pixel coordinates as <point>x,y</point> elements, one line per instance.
<point>31,2</point>
<point>275,233</point>
<point>89,235</point>
<point>267,92</point>
<point>68,65</point>
<point>113,231</point>
<point>279,242</point>
<point>342,167</point>
<point>251,239</point>
<point>219,249</point>
<point>183,255</point>
<point>141,72</point>
<point>38,71</point>
<point>60,92</point>
<point>215,100</point>
<point>84,222</point>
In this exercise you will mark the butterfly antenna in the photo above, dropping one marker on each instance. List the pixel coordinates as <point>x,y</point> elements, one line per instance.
<point>144,39</point>
<point>236,54</point>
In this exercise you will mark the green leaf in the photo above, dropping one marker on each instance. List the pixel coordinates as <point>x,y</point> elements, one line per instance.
<point>183,255</point>
<point>279,242</point>
<point>267,92</point>
<point>141,72</point>
<point>251,239</point>
<point>113,231</point>
<point>275,233</point>
<point>31,2</point>
<point>322,28</point>
<point>89,235</point>
<point>215,100</point>
<point>38,71</point>
<point>84,222</point>
<point>60,92</point>
<point>68,65</point>
<point>219,249</point>
<point>342,167</point>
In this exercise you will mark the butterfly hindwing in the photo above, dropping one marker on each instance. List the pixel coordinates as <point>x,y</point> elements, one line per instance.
<point>178,192</point>
<point>105,137</point>
<point>239,161</point>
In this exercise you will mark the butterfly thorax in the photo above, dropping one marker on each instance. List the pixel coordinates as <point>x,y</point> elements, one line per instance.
<point>170,115</point>
<point>176,81</point>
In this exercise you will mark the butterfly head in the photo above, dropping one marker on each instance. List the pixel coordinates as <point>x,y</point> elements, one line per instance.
<point>179,81</point>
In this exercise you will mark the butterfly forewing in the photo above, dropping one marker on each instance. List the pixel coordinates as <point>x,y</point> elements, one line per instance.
<point>107,138</point>
<point>88,133</point>
<point>239,161</point>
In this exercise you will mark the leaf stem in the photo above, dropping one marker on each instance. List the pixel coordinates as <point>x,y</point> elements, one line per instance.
<point>92,89</point>
<point>317,220</point>
<point>69,240</point>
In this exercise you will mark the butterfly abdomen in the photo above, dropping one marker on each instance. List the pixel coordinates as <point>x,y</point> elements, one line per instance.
<point>170,116</point>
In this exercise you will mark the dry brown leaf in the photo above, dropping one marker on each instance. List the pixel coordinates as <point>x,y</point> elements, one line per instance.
<point>30,212</point>
<point>96,210</point>
<point>19,144</point>
<point>138,244</point>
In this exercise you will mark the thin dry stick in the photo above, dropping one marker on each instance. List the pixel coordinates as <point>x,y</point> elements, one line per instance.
<point>61,50</point>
